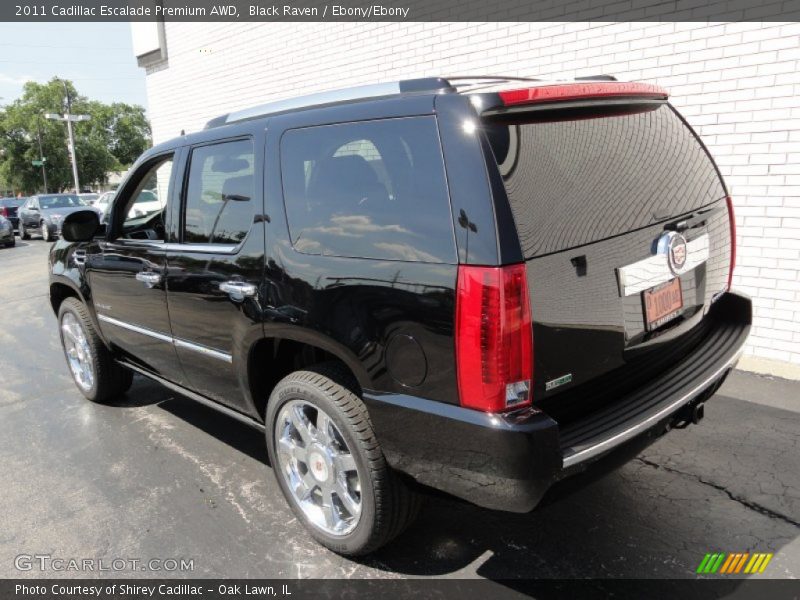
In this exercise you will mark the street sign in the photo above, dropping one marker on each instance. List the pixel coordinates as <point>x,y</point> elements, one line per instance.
<point>36,163</point>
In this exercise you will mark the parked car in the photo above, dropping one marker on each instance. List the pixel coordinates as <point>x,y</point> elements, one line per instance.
<point>89,197</point>
<point>42,214</point>
<point>146,204</point>
<point>478,287</point>
<point>8,209</point>
<point>103,204</point>
<point>6,232</point>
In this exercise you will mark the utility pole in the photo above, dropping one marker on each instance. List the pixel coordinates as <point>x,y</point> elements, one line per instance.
<point>41,154</point>
<point>70,118</point>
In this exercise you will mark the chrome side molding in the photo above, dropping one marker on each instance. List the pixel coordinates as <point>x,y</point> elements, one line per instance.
<point>178,342</point>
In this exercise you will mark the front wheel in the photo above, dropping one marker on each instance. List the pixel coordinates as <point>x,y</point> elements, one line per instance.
<point>98,376</point>
<point>329,465</point>
<point>45,232</point>
<point>23,233</point>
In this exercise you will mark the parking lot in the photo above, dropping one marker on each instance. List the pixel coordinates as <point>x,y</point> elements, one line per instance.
<point>161,477</point>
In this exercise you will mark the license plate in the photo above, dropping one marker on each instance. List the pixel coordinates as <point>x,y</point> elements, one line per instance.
<point>662,303</point>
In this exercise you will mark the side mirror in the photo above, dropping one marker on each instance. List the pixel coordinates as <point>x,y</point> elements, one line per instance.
<point>81,226</point>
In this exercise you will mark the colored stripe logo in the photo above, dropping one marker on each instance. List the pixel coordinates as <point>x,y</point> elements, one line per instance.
<point>734,563</point>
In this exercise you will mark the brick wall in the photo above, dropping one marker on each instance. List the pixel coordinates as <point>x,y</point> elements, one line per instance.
<point>738,84</point>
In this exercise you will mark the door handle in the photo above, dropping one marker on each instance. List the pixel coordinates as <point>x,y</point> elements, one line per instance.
<point>238,290</point>
<point>149,278</point>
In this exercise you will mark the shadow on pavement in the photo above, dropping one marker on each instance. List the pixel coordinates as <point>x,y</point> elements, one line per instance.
<point>638,520</point>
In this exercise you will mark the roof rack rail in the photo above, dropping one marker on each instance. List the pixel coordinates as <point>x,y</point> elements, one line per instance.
<point>484,80</point>
<point>378,90</point>
<point>597,78</point>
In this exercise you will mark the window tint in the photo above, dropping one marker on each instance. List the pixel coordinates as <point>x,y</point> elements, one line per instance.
<point>62,201</point>
<point>144,209</point>
<point>375,190</point>
<point>577,180</point>
<point>220,206</point>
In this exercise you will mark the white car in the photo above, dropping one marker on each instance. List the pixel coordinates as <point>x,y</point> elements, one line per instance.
<point>89,198</point>
<point>146,203</point>
<point>103,203</point>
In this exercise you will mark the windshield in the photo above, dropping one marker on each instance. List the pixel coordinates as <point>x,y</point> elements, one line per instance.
<point>63,201</point>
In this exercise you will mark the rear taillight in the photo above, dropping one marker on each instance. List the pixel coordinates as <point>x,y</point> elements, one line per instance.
<point>732,219</point>
<point>494,340</point>
<point>4,211</point>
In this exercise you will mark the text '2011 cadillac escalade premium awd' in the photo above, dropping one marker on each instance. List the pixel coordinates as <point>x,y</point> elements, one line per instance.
<point>478,285</point>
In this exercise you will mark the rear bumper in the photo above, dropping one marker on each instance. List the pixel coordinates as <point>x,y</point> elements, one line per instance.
<point>507,462</point>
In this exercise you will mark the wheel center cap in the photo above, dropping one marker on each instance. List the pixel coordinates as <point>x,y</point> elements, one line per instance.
<point>318,466</point>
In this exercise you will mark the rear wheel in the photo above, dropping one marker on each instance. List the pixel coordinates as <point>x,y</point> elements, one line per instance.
<point>11,244</point>
<point>329,465</point>
<point>98,376</point>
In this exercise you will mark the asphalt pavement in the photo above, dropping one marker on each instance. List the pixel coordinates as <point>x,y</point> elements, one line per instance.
<point>159,477</point>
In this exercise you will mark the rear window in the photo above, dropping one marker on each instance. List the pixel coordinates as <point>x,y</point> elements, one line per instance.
<point>370,189</point>
<point>12,202</point>
<point>572,182</point>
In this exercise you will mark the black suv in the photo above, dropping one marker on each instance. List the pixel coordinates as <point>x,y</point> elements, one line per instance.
<point>478,285</point>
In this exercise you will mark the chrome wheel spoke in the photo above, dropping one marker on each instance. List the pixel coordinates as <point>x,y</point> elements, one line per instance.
<point>344,463</point>
<point>351,504</point>
<point>318,467</point>
<point>301,424</point>
<point>290,448</point>
<point>329,509</point>
<point>322,431</point>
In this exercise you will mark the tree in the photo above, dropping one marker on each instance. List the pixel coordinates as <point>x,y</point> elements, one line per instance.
<point>111,140</point>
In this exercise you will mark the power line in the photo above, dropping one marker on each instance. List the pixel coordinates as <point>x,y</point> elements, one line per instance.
<point>68,62</point>
<point>61,47</point>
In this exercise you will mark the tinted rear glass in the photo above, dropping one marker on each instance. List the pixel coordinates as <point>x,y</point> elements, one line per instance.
<point>12,201</point>
<point>373,189</point>
<point>572,182</point>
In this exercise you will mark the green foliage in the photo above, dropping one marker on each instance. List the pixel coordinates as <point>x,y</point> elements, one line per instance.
<point>111,140</point>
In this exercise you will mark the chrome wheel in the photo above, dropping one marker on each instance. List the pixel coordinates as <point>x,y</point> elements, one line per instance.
<point>45,232</point>
<point>318,468</point>
<point>79,356</point>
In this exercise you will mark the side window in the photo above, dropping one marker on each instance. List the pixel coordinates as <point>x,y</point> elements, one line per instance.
<point>374,189</point>
<point>145,207</point>
<point>219,203</point>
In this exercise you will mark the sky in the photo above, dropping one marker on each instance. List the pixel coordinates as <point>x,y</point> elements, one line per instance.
<point>97,57</point>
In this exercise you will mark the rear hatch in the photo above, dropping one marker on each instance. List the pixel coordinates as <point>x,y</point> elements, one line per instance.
<point>624,227</point>
<point>9,206</point>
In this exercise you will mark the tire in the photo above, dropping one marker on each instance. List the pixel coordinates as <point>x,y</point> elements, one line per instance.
<point>11,244</point>
<point>23,233</point>
<point>109,379</point>
<point>387,504</point>
<point>45,231</point>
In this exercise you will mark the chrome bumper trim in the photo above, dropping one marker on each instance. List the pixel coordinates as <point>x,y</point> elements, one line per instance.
<point>642,426</point>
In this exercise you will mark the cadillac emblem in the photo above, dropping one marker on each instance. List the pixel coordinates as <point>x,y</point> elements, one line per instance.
<point>673,245</point>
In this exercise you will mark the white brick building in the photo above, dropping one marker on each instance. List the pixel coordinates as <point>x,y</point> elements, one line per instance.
<point>738,84</point>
